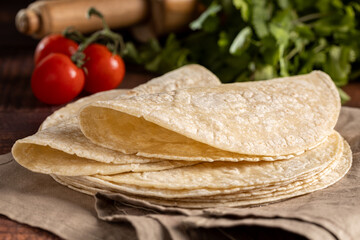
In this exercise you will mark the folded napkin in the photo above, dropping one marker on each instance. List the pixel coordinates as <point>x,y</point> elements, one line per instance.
<point>332,213</point>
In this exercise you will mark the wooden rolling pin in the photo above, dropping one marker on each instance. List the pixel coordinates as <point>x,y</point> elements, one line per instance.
<point>147,18</point>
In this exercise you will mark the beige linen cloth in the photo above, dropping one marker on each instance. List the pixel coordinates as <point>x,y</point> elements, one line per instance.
<point>37,200</point>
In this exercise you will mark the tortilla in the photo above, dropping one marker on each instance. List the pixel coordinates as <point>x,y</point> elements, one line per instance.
<point>189,76</point>
<point>331,175</point>
<point>61,148</point>
<point>264,120</point>
<point>208,179</point>
<point>58,162</point>
<point>212,195</point>
<point>222,175</point>
<point>338,171</point>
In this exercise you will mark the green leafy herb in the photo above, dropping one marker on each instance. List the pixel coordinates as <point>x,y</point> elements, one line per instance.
<point>241,41</point>
<point>211,11</point>
<point>243,6</point>
<point>246,40</point>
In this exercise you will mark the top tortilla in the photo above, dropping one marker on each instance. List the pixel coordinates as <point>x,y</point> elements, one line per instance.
<point>273,118</point>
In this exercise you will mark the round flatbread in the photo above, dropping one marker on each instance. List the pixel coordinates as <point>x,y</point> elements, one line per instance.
<point>263,120</point>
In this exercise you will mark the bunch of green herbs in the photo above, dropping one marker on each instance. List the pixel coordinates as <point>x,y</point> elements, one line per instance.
<point>246,40</point>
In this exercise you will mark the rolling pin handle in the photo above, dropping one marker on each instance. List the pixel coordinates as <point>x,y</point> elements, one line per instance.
<point>27,21</point>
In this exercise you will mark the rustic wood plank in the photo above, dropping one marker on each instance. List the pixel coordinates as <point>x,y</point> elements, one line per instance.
<point>353,89</point>
<point>11,230</point>
<point>9,36</point>
<point>16,124</point>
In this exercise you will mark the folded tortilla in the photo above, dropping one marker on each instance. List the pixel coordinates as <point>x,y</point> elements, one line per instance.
<point>264,120</point>
<point>61,148</point>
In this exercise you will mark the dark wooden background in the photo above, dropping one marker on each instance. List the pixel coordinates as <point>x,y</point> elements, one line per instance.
<point>21,114</point>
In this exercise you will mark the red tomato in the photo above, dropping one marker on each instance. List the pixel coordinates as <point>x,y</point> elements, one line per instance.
<point>54,43</point>
<point>105,70</point>
<point>56,79</point>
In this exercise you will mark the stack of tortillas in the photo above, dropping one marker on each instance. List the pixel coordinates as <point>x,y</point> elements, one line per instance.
<point>186,140</point>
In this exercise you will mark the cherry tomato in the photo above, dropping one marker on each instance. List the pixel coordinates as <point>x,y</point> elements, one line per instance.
<point>105,70</point>
<point>55,43</point>
<point>56,79</point>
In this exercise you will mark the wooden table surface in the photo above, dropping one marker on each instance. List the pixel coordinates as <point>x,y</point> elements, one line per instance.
<point>21,115</point>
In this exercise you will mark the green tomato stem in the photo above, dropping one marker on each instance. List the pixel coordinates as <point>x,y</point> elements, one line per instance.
<point>79,57</point>
<point>94,11</point>
<point>73,34</point>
